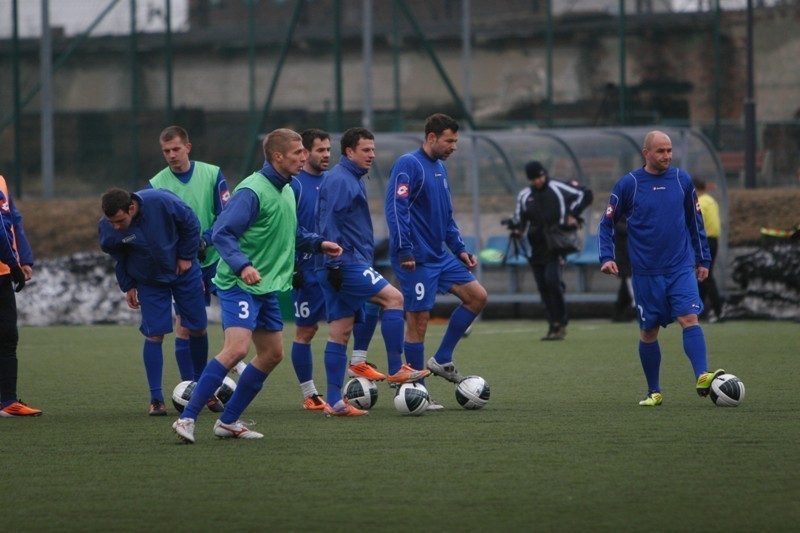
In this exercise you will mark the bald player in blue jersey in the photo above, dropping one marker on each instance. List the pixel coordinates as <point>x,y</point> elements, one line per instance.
<point>419,213</point>
<point>669,254</point>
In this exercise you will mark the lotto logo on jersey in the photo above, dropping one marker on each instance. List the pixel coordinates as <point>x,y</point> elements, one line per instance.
<point>226,195</point>
<point>5,208</point>
<point>610,211</point>
<point>402,190</point>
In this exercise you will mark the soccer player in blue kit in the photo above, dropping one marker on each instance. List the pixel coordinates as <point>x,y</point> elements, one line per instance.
<point>348,282</point>
<point>153,237</point>
<point>419,213</point>
<point>203,187</point>
<point>668,253</point>
<point>309,303</point>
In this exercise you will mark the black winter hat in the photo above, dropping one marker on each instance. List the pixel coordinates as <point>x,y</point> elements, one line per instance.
<point>534,169</point>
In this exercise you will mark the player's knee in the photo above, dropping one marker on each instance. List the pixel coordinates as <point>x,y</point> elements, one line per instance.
<point>197,332</point>
<point>159,339</point>
<point>304,334</point>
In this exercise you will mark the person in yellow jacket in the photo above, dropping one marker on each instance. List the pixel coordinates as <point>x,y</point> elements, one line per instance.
<point>16,268</point>
<point>710,209</point>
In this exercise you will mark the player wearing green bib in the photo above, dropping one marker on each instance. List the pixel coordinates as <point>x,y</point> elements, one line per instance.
<point>203,188</point>
<point>256,236</point>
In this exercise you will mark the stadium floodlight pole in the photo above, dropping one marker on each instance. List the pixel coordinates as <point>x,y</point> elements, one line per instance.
<point>622,104</point>
<point>45,66</point>
<point>750,110</point>
<point>168,59</point>
<point>466,36</point>
<point>366,42</point>
<point>134,100</point>
<point>17,168</point>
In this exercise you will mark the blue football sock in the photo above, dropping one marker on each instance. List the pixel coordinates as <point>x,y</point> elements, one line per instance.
<point>302,361</point>
<point>650,355</point>
<point>207,385</point>
<point>460,320</point>
<point>335,365</point>
<point>392,325</point>
<point>694,344</point>
<point>184,359</point>
<point>250,383</point>
<point>153,366</point>
<point>198,348</point>
<point>363,331</point>
<point>415,355</point>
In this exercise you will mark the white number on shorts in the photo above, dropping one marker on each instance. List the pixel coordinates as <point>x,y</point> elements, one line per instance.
<point>419,288</point>
<point>372,274</point>
<point>245,309</point>
<point>301,310</point>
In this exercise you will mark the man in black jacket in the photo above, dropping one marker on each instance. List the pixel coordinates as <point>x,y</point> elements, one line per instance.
<point>542,208</point>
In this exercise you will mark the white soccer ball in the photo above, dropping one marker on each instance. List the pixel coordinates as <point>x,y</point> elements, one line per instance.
<point>412,399</point>
<point>472,392</point>
<point>183,391</point>
<point>727,390</point>
<point>361,392</point>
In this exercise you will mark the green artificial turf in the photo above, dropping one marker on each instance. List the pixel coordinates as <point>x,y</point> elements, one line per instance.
<point>561,446</point>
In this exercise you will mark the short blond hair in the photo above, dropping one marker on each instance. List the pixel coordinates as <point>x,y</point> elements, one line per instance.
<point>278,141</point>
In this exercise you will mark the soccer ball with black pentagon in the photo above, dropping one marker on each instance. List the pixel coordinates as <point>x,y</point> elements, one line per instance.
<point>412,399</point>
<point>727,390</point>
<point>361,393</point>
<point>183,393</point>
<point>472,392</point>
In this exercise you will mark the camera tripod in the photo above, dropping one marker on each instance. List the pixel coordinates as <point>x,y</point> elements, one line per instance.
<point>515,247</point>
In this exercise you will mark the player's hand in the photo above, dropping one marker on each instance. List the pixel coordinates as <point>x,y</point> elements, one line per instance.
<point>336,278</point>
<point>28,271</point>
<point>409,265</point>
<point>702,273</point>
<point>250,275</point>
<point>18,278</point>
<point>201,251</point>
<point>298,282</point>
<point>183,266</point>
<point>132,299</point>
<point>331,249</point>
<point>468,259</point>
<point>610,268</point>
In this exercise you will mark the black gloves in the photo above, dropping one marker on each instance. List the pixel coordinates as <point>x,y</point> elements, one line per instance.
<point>201,251</point>
<point>335,278</point>
<point>298,282</point>
<point>18,277</point>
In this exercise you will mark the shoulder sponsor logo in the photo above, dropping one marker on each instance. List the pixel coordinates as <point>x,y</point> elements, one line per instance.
<point>402,190</point>
<point>129,238</point>
<point>610,211</point>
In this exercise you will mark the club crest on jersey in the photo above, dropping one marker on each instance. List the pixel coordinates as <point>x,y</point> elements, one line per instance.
<point>402,190</point>
<point>5,208</point>
<point>226,195</point>
<point>610,211</point>
<point>697,206</point>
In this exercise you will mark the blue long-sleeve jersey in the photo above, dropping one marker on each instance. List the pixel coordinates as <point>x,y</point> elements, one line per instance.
<point>419,210</point>
<point>306,190</point>
<point>665,225</point>
<point>12,219</point>
<point>163,230</point>
<point>343,216</point>
<point>241,212</point>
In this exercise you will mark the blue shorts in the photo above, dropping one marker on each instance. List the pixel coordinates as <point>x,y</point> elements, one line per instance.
<point>208,286</point>
<point>156,303</point>
<point>361,283</point>
<point>660,299</point>
<point>309,303</point>
<point>242,309</point>
<point>420,286</point>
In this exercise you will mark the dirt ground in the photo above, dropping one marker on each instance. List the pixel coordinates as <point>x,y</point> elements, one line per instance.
<point>61,227</point>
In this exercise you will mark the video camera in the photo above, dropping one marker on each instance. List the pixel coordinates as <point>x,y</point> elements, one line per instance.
<point>510,224</point>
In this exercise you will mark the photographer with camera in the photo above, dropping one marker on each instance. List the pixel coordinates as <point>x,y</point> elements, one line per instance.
<point>550,211</point>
